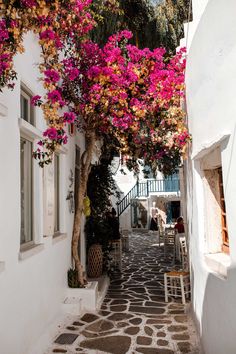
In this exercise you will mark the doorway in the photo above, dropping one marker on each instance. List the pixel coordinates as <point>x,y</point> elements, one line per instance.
<point>172,211</point>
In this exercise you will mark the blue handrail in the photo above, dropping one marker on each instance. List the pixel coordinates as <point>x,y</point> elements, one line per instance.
<point>143,189</point>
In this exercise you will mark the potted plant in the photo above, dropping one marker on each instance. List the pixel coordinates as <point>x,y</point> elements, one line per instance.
<point>98,231</point>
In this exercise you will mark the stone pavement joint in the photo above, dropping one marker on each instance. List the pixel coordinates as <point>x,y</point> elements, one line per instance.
<point>134,317</point>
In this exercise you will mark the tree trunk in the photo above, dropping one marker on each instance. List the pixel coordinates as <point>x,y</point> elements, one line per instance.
<point>86,159</point>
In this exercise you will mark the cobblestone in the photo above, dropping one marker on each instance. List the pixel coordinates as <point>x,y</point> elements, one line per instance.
<point>134,317</point>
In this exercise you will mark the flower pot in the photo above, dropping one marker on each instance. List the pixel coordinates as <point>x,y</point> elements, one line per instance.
<point>95,261</point>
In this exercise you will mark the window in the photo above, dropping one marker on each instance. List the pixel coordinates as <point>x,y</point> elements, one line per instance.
<point>26,171</point>
<point>217,239</point>
<point>212,215</point>
<point>26,109</point>
<point>56,193</point>
<point>26,176</point>
<point>172,211</point>
<point>224,230</point>
<point>216,233</point>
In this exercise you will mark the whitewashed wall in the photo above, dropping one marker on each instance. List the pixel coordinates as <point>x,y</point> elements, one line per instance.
<point>125,182</point>
<point>198,8</point>
<point>211,92</point>
<point>32,284</point>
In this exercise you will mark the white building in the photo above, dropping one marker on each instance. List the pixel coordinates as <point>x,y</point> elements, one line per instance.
<point>211,92</point>
<point>140,197</point>
<point>35,218</point>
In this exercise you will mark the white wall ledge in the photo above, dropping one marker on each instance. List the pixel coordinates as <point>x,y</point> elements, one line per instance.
<point>29,130</point>
<point>209,146</point>
<point>218,263</point>
<point>35,249</point>
<point>58,237</point>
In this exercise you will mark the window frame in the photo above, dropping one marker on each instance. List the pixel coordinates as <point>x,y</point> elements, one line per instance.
<point>57,224</point>
<point>28,132</point>
<point>224,228</point>
<point>27,94</point>
<point>28,244</point>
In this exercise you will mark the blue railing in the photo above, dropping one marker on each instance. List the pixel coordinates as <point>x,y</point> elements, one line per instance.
<point>143,189</point>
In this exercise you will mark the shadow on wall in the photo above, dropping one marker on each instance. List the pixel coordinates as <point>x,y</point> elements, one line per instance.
<point>218,319</point>
<point>116,199</point>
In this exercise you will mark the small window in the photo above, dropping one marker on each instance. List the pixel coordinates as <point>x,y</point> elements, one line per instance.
<point>224,230</point>
<point>217,238</point>
<point>26,179</point>
<point>26,109</point>
<point>56,193</point>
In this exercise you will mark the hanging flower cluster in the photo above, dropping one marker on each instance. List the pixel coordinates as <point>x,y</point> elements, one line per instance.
<point>118,89</point>
<point>55,21</point>
<point>136,95</point>
<point>61,25</point>
<point>131,94</point>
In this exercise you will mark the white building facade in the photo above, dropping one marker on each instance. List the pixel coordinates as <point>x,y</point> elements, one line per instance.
<point>140,195</point>
<point>211,188</point>
<point>35,218</point>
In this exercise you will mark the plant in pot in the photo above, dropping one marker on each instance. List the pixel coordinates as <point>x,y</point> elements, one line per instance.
<point>98,229</point>
<point>72,279</point>
<point>98,232</point>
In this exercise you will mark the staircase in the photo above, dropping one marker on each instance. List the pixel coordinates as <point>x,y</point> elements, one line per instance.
<point>143,189</point>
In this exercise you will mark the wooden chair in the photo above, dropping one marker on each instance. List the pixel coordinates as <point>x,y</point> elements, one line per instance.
<point>183,253</point>
<point>177,245</point>
<point>177,283</point>
<point>169,242</point>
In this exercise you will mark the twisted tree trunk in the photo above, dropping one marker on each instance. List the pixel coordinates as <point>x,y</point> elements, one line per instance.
<point>86,159</point>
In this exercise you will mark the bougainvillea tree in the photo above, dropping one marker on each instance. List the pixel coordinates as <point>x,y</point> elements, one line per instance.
<point>136,94</point>
<point>61,26</point>
<point>119,89</point>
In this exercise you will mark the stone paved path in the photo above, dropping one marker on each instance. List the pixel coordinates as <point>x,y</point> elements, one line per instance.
<point>134,317</point>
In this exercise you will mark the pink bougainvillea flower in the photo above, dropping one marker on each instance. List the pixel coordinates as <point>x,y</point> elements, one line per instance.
<point>28,3</point>
<point>69,117</point>
<point>4,35</point>
<point>126,34</point>
<point>47,34</point>
<point>54,96</point>
<point>5,61</point>
<point>36,100</point>
<point>51,133</point>
<point>72,73</point>
<point>65,139</point>
<point>51,75</point>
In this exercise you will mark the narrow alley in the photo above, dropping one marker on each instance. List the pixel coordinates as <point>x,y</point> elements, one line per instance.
<point>134,317</point>
<point>118,165</point>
